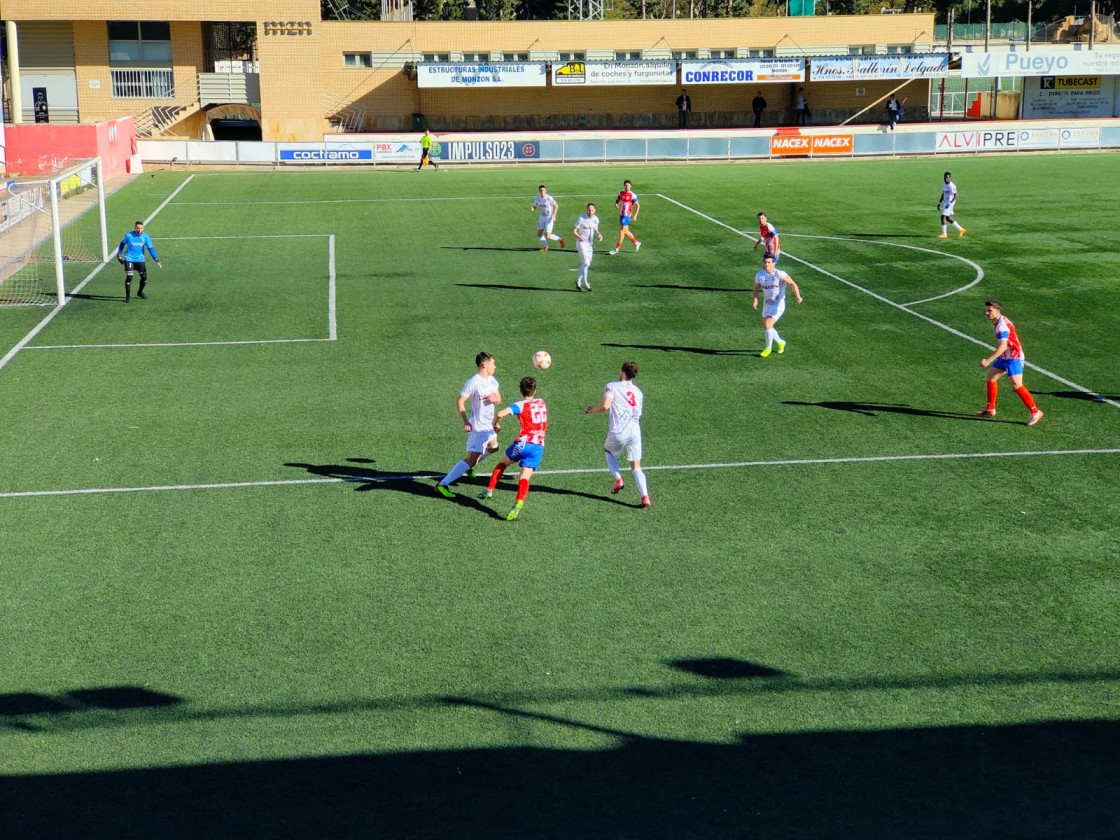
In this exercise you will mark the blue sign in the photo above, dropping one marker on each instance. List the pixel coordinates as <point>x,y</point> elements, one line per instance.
<point>323,155</point>
<point>488,150</point>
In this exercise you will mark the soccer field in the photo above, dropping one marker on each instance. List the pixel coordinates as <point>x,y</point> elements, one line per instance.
<point>234,605</point>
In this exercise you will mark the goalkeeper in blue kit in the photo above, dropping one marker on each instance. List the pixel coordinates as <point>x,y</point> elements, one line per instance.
<point>130,253</point>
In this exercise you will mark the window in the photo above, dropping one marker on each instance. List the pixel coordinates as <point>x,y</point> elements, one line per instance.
<point>628,55</point>
<point>147,42</point>
<point>476,57</point>
<point>866,49</point>
<point>900,49</point>
<point>725,53</point>
<point>760,53</point>
<point>571,56</point>
<point>357,60</point>
<point>514,57</point>
<point>434,57</point>
<point>684,54</point>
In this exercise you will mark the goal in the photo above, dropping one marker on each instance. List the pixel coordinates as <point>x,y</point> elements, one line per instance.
<point>52,229</point>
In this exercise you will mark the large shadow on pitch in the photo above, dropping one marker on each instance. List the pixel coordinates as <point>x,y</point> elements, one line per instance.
<point>1039,780</point>
<point>869,409</point>
<point>670,348</point>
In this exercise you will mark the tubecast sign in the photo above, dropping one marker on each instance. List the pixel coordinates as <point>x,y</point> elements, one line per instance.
<point>320,154</point>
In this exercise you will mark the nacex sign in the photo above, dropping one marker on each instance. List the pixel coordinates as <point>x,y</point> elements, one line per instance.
<point>789,145</point>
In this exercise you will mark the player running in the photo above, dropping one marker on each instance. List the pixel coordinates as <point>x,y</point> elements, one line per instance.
<point>130,254</point>
<point>946,204</point>
<point>771,282</point>
<point>548,208</point>
<point>628,207</point>
<point>1008,359</point>
<point>623,399</point>
<point>481,391</point>
<point>527,448</point>
<point>587,226</point>
<point>768,236</point>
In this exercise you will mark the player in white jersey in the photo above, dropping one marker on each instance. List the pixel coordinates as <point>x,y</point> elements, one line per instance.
<point>587,227</point>
<point>481,393</point>
<point>547,208</point>
<point>946,204</point>
<point>771,283</point>
<point>623,399</point>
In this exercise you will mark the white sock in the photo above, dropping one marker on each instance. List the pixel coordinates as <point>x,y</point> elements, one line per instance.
<point>957,225</point>
<point>544,242</point>
<point>612,465</point>
<point>457,472</point>
<point>777,337</point>
<point>554,237</point>
<point>583,275</point>
<point>944,228</point>
<point>640,477</point>
<point>769,336</point>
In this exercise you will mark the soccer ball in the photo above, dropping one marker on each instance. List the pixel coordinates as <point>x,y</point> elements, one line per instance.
<point>542,360</point>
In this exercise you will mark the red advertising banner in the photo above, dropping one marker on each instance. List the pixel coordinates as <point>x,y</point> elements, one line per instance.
<point>788,145</point>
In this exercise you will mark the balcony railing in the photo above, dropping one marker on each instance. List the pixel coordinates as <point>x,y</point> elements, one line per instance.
<point>143,84</point>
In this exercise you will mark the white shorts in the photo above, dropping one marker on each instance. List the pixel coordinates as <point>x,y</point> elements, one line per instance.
<point>546,224</point>
<point>774,310</point>
<point>947,209</point>
<point>631,442</point>
<point>476,441</point>
<point>586,251</point>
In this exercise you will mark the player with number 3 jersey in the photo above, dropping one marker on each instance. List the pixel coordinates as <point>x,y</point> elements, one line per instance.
<point>624,400</point>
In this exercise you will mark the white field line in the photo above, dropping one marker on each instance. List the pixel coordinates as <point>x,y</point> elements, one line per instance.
<point>427,200</point>
<point>332,307</point>
<point>795,462</point>
<point>899,306</point>
<point>23,342</point>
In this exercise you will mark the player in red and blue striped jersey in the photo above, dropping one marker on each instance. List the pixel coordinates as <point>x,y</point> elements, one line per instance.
<point>768,237</point>
<point>1007,360</point>
<point>628,207</point>
<point>527,448</point>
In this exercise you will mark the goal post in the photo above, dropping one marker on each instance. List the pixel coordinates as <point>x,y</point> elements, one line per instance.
<point>52,229</point>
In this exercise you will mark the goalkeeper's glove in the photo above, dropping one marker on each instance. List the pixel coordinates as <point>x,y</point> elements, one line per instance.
<point>120,259</point>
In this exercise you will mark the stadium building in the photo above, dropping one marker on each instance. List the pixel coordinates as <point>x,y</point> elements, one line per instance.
<point>183,70</point>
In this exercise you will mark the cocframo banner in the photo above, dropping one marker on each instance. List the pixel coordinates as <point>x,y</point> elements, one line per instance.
<point>787,145</point>
<point>864,68</point>
<point>615,73</point>
<point>742,71</point>
<point>501,74</point>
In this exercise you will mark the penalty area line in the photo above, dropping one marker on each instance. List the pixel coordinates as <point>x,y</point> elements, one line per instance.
<point>356,479</point>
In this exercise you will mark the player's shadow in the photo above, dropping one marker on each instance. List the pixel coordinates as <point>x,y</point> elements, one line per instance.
<point>117,298</point>
<point>505,286</point>
<point>670,348</point>
<point>869,409</point>
<point>30,712</point>
<point>1079,395</point>
<point>489,248</point>
<point>684,288</point>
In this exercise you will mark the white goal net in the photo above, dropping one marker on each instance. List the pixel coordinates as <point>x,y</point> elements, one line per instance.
<point>51,230</point>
